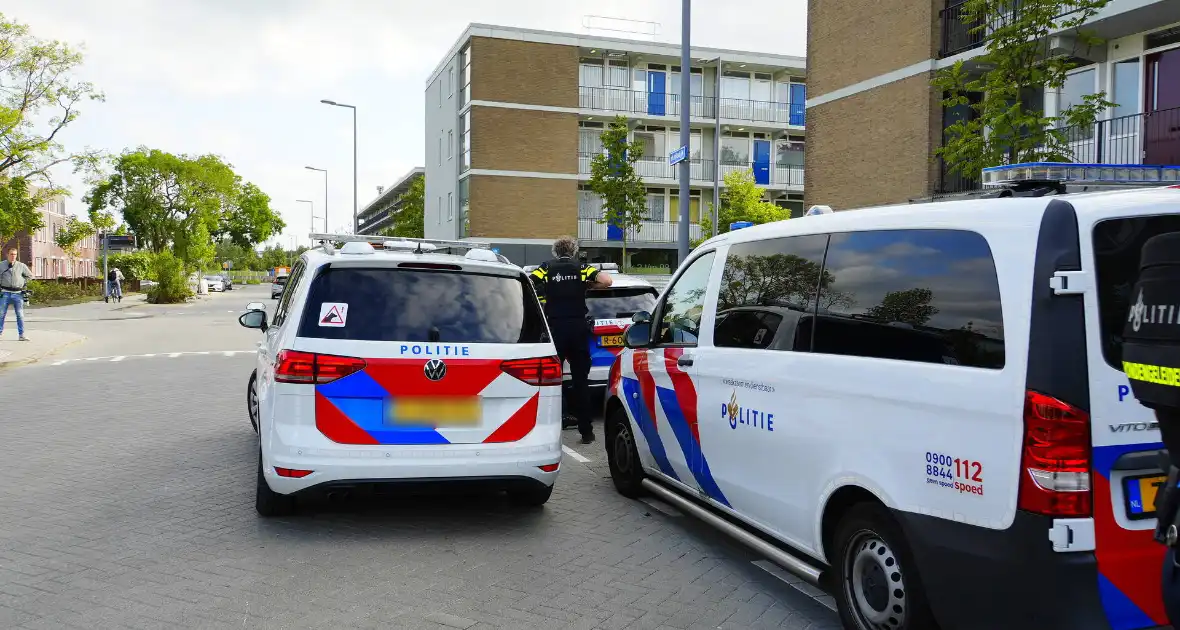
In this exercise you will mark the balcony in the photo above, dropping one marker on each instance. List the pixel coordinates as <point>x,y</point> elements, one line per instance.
<point>649,232</point>
<point>702,170</point>
<point>1149,138</point>
<point>664,104</point>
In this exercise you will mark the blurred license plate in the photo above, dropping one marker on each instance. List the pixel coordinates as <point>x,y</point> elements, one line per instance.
<point>1140,494</point>
<point>612,341</point>
<point>435,411</point>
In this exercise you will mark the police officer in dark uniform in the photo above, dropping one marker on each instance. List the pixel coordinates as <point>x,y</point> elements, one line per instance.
<point>1151,360</point>
<point>562,283</point>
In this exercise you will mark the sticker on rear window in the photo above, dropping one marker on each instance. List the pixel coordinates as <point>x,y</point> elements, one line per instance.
<point>333,314</point>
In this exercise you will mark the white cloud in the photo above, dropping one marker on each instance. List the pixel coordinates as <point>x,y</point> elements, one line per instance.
<point>244,79</point>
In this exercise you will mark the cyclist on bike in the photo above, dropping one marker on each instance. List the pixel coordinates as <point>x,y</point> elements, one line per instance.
<point>115,283</point>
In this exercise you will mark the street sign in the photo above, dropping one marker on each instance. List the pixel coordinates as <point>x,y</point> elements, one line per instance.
<point>229,264</point>
<point>677,156</point>
<point>120,241</point>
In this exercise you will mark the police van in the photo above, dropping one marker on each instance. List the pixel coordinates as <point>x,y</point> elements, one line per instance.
<point>403,364</point>
<point>920,408</point>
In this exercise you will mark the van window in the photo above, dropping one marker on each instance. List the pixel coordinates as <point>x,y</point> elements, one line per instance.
<point>1117,246</point>
<point>390,304</point>
<point>684,304</point>
<point>768,285</point>
<point>912,295</point>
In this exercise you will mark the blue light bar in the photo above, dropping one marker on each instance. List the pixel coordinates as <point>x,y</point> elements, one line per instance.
<point>1070,173</point>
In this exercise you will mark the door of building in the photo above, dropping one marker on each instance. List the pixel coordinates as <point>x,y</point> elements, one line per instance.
<point>762,162</point>
<point>657,97</point>
<point>1161,124</point>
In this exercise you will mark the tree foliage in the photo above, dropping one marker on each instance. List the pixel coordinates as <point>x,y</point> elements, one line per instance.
<point>134,265</point>
<point>613,177</point>
<point>410,219</point>
<point>741,200</point>
<point>1005,127</point>
<point>71,234</point>
<point>39,97</point>
<point>18,209</point>
<point>167,199</point>
<point>911,306</point>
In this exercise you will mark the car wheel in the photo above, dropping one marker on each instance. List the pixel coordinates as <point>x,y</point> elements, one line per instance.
<point>622,455</point>
<point>252,399</point>
<point>878,587</point>
<point>532,497</point>
<point>268,502</point>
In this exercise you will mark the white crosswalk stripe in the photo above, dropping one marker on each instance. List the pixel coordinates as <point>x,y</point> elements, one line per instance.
<point>170,355</point>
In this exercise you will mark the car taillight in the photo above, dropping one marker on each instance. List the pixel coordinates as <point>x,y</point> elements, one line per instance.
<point>540,371</point>
<point>294,366</point>
<point>1056,459</point>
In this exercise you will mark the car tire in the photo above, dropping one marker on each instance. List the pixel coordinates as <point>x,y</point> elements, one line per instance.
<point>622,455</point>
<point>877,584</point>
<point>252,399</point>
<point>530,497</point>
<point>268,502</point>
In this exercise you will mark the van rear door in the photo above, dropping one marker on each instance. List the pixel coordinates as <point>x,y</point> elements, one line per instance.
<point>1126,441</point>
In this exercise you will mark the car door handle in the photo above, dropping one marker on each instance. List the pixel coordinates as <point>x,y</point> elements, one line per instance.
<point>684,361</point>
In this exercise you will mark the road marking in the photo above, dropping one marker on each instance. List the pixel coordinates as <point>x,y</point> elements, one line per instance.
<point>116,359</point>
<point>574,454</point>
<point>170,355</point>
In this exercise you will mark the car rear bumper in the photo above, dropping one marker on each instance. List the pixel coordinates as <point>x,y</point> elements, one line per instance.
<point>982,579</point>
<point>478,463</point>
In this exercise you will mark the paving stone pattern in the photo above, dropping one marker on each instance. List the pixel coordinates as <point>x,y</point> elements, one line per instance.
<point>127,502</point>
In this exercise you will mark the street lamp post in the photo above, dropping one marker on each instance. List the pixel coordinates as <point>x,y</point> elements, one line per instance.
<point>312,168</point>
<point>354,206</point>
<point>685,137</point>
<point>311,210</point>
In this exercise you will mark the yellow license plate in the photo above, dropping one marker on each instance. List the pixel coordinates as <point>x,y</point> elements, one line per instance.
<point>612,341</point>
<point>435,411</point>
<point>1140,494</point>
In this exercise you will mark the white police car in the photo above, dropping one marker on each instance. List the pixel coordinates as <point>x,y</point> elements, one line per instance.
<point>921,408</point>
<point>401,365</point>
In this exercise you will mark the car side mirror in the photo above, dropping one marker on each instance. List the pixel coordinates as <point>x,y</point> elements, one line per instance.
<point>253,319</point>
<point>641,317</point>
<point>255,306</point>
<point>638,335</point>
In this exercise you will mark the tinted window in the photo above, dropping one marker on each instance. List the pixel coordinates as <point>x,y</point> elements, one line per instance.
<point>684,304</point>
<point>1117,245</point>
<point>280,280</point>
<point>912,295</point>
<point>763,283</point>
<point>388,304</point>
<point>620,303</point>
<point>288,291</point>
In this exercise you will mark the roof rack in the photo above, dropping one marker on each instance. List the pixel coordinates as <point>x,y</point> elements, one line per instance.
<point>326,242</point>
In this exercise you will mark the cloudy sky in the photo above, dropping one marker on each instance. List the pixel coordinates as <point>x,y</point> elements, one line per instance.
<point>243,78</point>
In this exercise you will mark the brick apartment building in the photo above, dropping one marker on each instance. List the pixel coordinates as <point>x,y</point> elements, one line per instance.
<point>514,118</point>
<point>378,214</point>
<point>45,259</point>
<point>874,121</point>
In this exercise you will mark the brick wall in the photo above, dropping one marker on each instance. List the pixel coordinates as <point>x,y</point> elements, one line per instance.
<point>524,140</point>
<point>874,147</point>
<point>512,71</point>
<point>523,207</point>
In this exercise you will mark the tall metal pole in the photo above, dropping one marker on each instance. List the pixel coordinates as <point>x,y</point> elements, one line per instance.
<point>354,206</point>
<point>311,207</point>
<point>717,152</point>
<point>325,172</point>
<point>685,137</point>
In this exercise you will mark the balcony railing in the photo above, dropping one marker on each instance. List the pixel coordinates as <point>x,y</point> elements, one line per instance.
<point>667,104</point>
<point>959,36</point>
<point>1148,138</point>
<point>649,231</point>
<point>702,170</point>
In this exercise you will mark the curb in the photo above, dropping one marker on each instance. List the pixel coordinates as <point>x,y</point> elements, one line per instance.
<point>43,355</point>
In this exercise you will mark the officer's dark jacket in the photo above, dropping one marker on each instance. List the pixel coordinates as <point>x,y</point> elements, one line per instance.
<point>561,285</point>
<point>1151,338</point>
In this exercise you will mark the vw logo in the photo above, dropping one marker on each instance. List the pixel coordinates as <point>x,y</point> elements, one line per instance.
<point>435,369</point>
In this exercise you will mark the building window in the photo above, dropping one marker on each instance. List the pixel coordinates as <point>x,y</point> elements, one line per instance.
<point>1126,88</point>
<point>438,210</point>
<point>440,141</point>
<point>450,144</point>
<point>465,138</point>
<point>465,93</point>
<point>450,82</point>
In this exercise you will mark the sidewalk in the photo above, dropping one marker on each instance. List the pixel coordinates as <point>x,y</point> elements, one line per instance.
<point>42,344</point>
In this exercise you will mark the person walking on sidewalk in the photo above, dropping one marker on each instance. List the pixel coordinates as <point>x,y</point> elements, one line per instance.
<point>563,282</point>
<point>14,277</point>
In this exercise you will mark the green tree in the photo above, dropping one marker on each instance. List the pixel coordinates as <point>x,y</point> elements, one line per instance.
<point>1005,127</point>
<point>39,98</point>
<point>71,234</point>
<point>163,197</point>
<point>741,200</point>
<point>194,246</point>
<point>613,177</point>
<point>134,265</point>
<point>18,209</point>
<point>911,306</point>
<point>410,220</point>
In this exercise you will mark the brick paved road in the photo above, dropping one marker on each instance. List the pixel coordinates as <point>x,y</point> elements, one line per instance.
<point>134,509</point>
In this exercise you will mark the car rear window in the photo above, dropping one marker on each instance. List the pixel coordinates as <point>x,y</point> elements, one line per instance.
<point>390,304</point>
<point>1117,245</point>
<point>620,303</point>
<point>281,280</point>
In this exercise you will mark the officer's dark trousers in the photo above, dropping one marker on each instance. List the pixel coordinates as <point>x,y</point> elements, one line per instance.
<point>1169,419</point>
<point>572,338</point>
